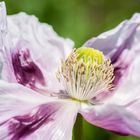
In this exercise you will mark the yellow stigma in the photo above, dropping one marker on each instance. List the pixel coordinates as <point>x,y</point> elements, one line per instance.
<point>89,55</point>
<point>86,73</point>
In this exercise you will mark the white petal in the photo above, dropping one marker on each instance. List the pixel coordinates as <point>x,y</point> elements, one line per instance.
<point>128,90</point>
<point>110,41</point>
<point>4,42</point>
<point>45,46</point>
<point>16,99</point>
<point>121,45</point>
<point>25,114</point>
<point>61,127</point>
<point>127,93</point>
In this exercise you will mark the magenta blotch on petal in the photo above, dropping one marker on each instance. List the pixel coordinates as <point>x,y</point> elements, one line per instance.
<point>26,71</point>
<point>26,114</point>
<point>22,126</point>
<point>26,32</point>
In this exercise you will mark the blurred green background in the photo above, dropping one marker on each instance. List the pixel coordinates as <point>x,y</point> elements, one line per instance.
<point>80,20</point>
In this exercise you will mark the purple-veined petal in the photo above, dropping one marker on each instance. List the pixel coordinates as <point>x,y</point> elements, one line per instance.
<point>15,99</point>
<point>120,45</point>
<point>61,125</point>
<point>127,90</point>
<point>113,118</point>
<point>127,93</point>
<point>46,50</point>
<point>51,121</point>
<point>26,114</point>
<point>18,126</point>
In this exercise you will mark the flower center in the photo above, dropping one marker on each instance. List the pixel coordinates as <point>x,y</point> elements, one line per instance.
<point>86,73</point>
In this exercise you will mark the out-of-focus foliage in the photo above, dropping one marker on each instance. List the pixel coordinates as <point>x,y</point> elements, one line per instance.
<point>80,20</point>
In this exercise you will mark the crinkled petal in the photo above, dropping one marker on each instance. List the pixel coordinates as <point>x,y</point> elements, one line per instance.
<point>5,57</point>
<point>110,41</point>
<point>121,45</point>
<point>129,88</point>
<point>4,42</point>
<point>61,124</point>
<point>46,47</point>
<point>33,43</point>
<point>127,93</point>
<point>15,99</point>
<point>113,118</point>
<point>25,114</point>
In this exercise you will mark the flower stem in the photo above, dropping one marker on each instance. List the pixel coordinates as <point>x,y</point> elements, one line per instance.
<point>78,128</point>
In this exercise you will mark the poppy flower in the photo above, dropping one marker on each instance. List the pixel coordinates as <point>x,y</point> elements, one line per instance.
<point>45,82</point>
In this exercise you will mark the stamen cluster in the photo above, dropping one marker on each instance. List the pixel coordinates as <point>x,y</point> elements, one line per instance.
<point>86,73</point>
